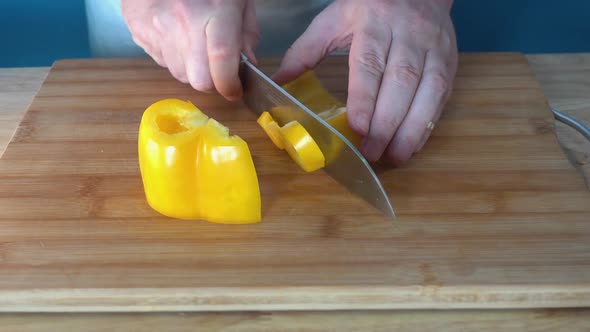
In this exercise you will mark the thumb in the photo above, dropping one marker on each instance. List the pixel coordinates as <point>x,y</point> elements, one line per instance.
<point>324,35</point>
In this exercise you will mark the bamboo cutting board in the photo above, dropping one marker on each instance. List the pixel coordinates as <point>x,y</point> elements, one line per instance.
<point>490,213</point>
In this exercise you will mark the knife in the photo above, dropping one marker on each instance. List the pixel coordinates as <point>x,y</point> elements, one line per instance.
<point>348,167</point>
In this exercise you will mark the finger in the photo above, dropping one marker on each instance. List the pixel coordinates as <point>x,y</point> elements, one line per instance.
<point>223,32</point>
<point>426,107</point>
<point>452,64</point>
<point>174,62</point>
<point>197,62</point>
<point>429,128</point>
<point>139,21</point>
<point>171,56</point>
<point>367,61</point>
<point>311,47</point>
<point>251,33</point>
<point>398,87</point>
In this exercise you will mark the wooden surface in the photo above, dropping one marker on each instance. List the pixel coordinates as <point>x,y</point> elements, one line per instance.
<point>560,92</point>
<point>570,320</point>
<point>565,80</point>
<point>481,233</point>
<point>17,88</point>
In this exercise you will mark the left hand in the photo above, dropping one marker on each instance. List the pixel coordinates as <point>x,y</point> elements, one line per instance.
<point>403,59</point>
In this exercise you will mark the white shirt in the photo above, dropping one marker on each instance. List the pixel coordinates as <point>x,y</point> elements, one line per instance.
<point>280,23</point>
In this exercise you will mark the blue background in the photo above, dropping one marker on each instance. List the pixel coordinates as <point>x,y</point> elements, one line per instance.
<point>37,32</point>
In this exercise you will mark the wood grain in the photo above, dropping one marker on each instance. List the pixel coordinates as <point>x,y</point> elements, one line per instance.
<point>566,83</point>
<point>572,320</point>
<point>491,212</point>
<point>18,87</point>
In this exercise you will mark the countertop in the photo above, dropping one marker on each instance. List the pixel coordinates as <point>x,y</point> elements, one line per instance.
<point>565,80</point>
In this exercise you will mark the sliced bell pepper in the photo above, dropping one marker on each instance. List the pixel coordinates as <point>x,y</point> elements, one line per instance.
<point>301,147</point>
<point>272,129</point>
<point>338,118</point>
<point>309,90</point>
<point>294,138</point>
<point>192,168</point>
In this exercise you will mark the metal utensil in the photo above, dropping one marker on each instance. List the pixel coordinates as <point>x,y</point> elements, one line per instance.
<point>347,166</point>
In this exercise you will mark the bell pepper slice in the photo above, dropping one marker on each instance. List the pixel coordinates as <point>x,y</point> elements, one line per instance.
<point>192,168</point>
<point>296,140</point>
<point>337,117</point>
<point>301,147</point>
<point>310,91</point>
<point>272,129</point>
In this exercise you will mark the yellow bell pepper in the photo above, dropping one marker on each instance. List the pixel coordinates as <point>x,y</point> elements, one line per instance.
<point>192,168</point>
<point>301,147</point>
<point>294,138</point>
<point>337,117</point>
<point>272,129</point>
<point>309,90</point>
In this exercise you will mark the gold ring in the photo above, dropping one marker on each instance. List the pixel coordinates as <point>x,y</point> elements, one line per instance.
<point>430,125</point>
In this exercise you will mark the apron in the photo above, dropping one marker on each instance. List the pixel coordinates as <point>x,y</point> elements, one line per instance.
<point>281,22</point>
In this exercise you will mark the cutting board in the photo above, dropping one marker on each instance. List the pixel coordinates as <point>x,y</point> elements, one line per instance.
<point>490,213</point>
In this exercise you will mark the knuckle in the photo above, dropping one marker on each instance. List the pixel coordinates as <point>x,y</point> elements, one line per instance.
<point>413,138</point>
<point>179,8</point>
<point>138,40</point>
<point>406,147</point>
<point>382,136</point>
<point>178,74</point>
<point>406,74</point>
<point>372,63</point>
<point>221,51</point>
<point>297,54</point>
<point>399,157</point>
<point>437,81</point>
<point>421,22</point>
<point>394,122</point>
<point>203,85</point>
<point>385,132</point>
<point>421,17</point>
<point>253,35</point>
<point>360,119</point>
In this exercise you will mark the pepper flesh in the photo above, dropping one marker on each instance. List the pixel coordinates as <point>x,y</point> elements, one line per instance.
<point>301,147</point>
<point>192,168</point>
<point>338,118</point>
<point>309,90</point>
<point>272,129</point>
<point>294,138</point>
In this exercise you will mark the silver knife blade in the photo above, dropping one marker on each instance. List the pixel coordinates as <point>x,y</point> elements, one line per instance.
<point>347,166</point>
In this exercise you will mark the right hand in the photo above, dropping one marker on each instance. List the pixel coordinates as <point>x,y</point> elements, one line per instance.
<point>199,41</point>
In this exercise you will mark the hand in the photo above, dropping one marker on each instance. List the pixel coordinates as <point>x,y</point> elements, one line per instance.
<point>199,41</point>
<point>403,59</point>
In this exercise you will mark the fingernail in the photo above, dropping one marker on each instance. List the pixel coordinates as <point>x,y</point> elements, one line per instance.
<point>253,57</point>
<point>363,146</point>
<point>423,142</point>
<point>401,153</point>
<point>369,150</point>
<point>360,123</point>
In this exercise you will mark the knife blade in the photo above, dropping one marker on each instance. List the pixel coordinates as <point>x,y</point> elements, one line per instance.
<point>348,166</point>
